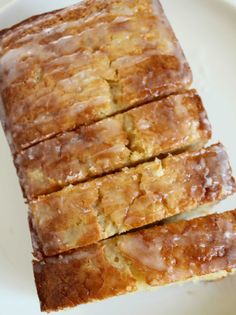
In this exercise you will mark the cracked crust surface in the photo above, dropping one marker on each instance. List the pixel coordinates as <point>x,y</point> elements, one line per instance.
<point>176,123</point>
<point>86,213</point>
<point>153,257</point>
<point>78,65</point>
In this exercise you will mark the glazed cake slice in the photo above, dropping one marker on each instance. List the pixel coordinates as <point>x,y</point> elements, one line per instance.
<point>84,214</point>
<point>176,123</point>
<point>71,67</point>
<point>156,256</point>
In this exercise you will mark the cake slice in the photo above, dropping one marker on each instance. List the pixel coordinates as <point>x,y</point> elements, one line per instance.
<point>156,256</point>
<point>86,213</point>
<point>74,66</point>
<point>176,123</point>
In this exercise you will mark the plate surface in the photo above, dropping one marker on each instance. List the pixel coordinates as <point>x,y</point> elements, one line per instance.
<point>207,31</point>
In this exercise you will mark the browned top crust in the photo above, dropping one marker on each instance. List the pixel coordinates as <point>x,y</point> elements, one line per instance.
<point>152,257</point>
<point>173,124</point>
<point>84,214</point>
<point>68,68</point>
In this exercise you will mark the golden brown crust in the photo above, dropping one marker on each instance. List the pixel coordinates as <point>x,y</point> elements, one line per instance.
<point>173,124</point>
<point>78,65</point>
<point>153,257</point>
<point>84,214</point>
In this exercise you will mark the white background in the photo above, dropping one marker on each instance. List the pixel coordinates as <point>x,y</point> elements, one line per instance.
<point>207,32</point>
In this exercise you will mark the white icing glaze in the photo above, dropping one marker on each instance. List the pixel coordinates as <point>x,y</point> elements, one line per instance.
<point>132,198</point>
<point>147,253</point>
<point>43,57</point>
<point>67,44</point>
<point>49,17</point>
<point>144,124</point>
<point>14,61</point>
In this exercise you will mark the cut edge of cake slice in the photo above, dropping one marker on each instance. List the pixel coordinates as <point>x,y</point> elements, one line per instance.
<point>86,213</point>
<point>174,124</point>
<point>200,249</point>
<point>69,68</point>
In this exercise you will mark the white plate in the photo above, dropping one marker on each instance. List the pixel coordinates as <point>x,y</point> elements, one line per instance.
<point>207,32</point>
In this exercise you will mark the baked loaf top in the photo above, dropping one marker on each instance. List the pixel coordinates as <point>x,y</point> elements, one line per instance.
<point>71,67</point>
<point>84,214</point>
<point>173,124</point>
<point>153,257</point>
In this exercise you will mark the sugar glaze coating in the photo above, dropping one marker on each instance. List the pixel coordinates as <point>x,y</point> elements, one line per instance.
<point>153,257</point>
<point>65,69</point>
<point>88,212</point>
<point>175,123</point>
